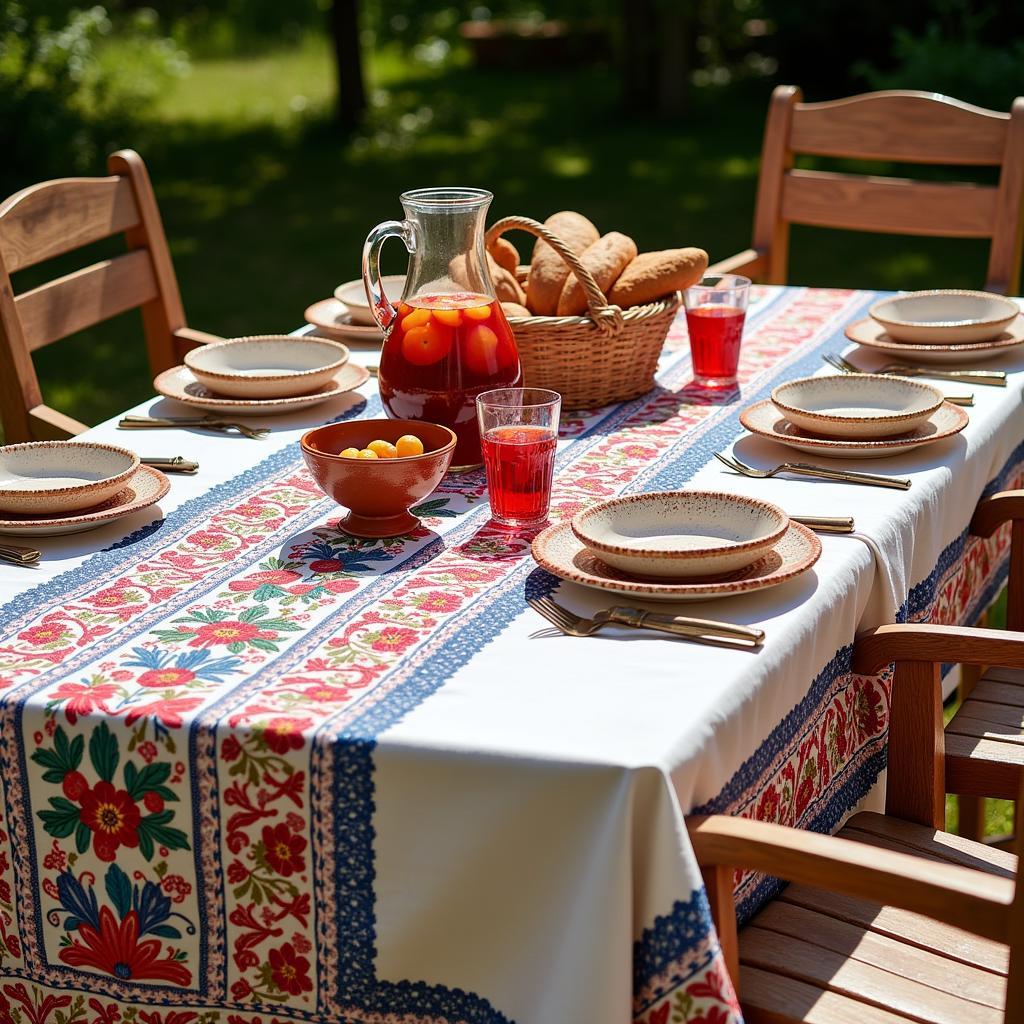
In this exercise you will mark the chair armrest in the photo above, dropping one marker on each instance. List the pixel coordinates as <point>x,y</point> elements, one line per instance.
<point>925,643</point>
<point>750,262</point>
<point>958,896</point>
<point>48,424</point>
<point>991,513</point>
<point>194,338</point>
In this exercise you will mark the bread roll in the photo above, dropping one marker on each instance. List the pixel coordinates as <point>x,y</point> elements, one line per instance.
<point>605,259</point>
<point>515,309</point>
<point>655,274</point>
<point>506,287</point>
<point>548,271</point>
<point>505,254</point>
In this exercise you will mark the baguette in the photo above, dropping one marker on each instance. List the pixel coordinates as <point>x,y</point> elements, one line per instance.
<point>655,274</point>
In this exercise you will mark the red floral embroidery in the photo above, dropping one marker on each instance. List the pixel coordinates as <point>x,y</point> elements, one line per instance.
<point>162,678</point>
<point>284,734</point>
<point>283,849</point>
<point>113,817</point>
<point>290,971</point>
<point>115,949</point>
<point>82,698</point>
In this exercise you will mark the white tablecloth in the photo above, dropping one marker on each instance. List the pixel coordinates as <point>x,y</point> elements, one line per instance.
<point>488,826</point>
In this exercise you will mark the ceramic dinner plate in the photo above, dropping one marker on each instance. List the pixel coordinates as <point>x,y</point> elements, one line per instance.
<point>352,296</point>
<point>948,316</point>
<point>267,366</point>
<point>765,420</point>
<point>674,534</point>
<point>332,319</point>
<point>559,551</point>
<point>855,406</point>
<point>146,487</point>
<point>180,384</point>
<point>61,477</point>
<point>872,335</point>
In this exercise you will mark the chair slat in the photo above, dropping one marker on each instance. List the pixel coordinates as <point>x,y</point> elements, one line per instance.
<point>983,767</point>
<point>889,205</point>
<point>824,968</point>
<point>55,217</point>
<point>1003,714</point>
<point>797,1000</point>
<point>910,961</point>
<point>79,300</point>
<point>904,925</point>
<point>912,127</point>
<point>945,846</point>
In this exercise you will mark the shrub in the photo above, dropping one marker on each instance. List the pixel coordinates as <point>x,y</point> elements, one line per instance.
<point>70,86</point>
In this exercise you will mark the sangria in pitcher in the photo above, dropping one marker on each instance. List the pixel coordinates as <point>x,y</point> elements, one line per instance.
<point>447,339</point>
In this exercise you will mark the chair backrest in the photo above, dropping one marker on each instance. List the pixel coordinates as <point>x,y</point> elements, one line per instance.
<point>897,126</point>
<point>54,218</point>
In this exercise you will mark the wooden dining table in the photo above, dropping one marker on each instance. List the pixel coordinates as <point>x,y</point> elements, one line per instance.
<point>258,770</point>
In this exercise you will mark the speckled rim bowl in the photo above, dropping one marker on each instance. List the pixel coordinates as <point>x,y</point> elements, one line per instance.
<point>352,295</point>
<point>944,315</point>
<point>49,477</point>
<point>856,405</point>
<point>267,365</point>
<point>680,534</point>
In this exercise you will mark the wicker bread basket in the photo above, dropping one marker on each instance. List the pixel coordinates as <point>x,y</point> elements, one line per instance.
<point>609,355</point>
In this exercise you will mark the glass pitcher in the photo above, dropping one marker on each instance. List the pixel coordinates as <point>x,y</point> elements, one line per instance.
<point>447,339</point>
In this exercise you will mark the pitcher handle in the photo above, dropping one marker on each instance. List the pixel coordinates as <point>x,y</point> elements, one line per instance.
<point>383,311</point>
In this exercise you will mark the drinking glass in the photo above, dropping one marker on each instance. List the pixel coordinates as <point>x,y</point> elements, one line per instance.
<point>518,435</point>
<point>715,310</point>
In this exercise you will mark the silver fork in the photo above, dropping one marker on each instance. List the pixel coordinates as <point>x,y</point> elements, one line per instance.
<point>823,473</point>
<point>992,378</point>
<point>700,630</point>
<point>843,366</point>
<point>206,422</point>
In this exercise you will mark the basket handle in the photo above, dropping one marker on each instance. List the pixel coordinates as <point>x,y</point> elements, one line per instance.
<point>608,318</point>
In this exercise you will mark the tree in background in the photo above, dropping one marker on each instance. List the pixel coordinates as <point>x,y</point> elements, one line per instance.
<point>343,21</point>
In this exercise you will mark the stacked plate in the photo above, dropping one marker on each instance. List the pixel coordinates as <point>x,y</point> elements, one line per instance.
<point>267,374</point>
<point>943,326</point>
<point>678,546</point>
<point>347,316</point>
<point>855,415</point>
<point>54,487</point>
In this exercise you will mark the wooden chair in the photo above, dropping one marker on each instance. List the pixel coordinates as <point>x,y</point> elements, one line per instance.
<point>903,126</point>
<point>56,217</point>
<point>875,928</point>
<point>984,742</point>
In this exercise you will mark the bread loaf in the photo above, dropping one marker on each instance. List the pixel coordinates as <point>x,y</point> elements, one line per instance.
<point>515,309</point>
<point>605,259</point>
<point>548,271</point>
<point>505,254</point>
<point>655,274</point>
<point>506,287</point>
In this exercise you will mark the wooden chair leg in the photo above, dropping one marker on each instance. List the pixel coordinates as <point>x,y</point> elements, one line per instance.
<point>718,883</point>
<point>971,817</point>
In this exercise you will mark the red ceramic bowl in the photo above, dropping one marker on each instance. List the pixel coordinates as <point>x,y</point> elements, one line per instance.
<point>377,492</point>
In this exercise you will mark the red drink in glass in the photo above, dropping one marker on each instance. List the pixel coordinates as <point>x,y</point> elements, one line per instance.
<point>519,434</point>
<point>716,308</point>
<point>442,352</point>
<point>520,463</point>
<point>715,334</point>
